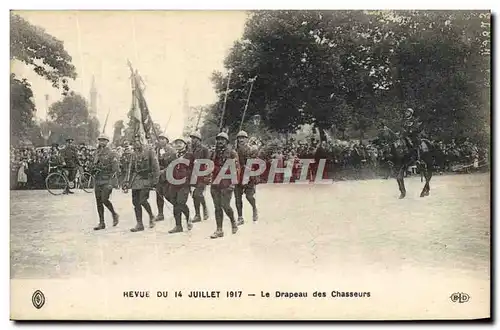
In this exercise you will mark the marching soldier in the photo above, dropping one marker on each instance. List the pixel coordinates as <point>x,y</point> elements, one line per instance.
<point>165,154</point>
<point>222,191</point>
<point>105,166</point>
<point>199,151</point>
<point>179,193</point>
<point>125,160</point>
<point>142,174</point>
<point>245,152</point>
<point>70,157</point>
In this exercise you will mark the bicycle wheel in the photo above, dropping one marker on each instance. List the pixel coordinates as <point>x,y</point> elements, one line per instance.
<point>87,182</point>
<point>56,183</point>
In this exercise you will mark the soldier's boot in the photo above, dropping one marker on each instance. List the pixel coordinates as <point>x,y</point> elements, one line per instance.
<point>241,221</point>
<point>189,224</point>
<point>176,229</point>
<point>151,222</point>
<point>217,234</point>
<point>234,225</point>
<point>197,218</point>
<point>100,226</point>
<point>205,212</point>
<point>160,217</point>
<point>116,219</point>
<point>255,216</point>
<point>139,226</point>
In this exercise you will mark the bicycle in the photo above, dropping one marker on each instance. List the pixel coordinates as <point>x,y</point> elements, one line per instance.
<point>57,182</point>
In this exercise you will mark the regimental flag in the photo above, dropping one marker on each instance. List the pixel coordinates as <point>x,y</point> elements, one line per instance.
<point>135,114</point>
<point>139,111</point>
<point>147,122</point>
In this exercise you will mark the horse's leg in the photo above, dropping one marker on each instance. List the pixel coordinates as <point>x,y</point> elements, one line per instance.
<point>401,182</point>
<point>424,170</point>
<point>428,180</point>
<point>428,176</point>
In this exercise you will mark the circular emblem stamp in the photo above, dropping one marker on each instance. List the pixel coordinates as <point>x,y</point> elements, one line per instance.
<point>38,299</point>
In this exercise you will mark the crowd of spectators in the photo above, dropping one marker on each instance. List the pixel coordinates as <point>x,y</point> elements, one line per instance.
<point>344,159</point>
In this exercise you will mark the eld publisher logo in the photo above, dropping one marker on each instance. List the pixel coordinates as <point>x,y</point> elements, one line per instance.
<point>460,297</point>
<point>38,299</point>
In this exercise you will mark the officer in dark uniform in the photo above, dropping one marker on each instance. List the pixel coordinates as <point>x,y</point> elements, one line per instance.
<point>55,158</point>
<point>199,151</point>
<point>223,191</point>
<point>245,152</point>
<point>165,154</point>
<point>105,168</point>
<point>70,157</point>
<point>142,174</point>
<point>179,192</point>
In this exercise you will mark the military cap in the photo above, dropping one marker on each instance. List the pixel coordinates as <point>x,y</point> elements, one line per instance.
<point>103,137</point>
<point>195,135</point>
<point>163,136</point>
<point>242,134</point>
<point>181,139</point>
<point>222,135</point>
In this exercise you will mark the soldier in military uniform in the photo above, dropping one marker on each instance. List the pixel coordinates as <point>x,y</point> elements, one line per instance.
<point>70,157</point>
<point>106,167</point>
<point>142,175</point>
<point>245,152</point>
<point>125,160</point>
<point>199,151</point>
<point>55,158</point>
<point>165,154</point>
<point>223,191</point>
<point>179,192</point>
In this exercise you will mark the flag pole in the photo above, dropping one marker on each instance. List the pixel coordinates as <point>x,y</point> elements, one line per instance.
<point>246,105</point>
<point>225,100</point>
<point>168,122</point>
<point>105,122</point>
<point>199,118</point>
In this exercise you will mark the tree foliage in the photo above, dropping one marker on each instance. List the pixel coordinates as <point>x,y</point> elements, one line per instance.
<point>348,70</point>
<point>70,117</point>
<point>117,132</point>
<point>36,48</point>
<point>48,58</point>
<point>22,109</point>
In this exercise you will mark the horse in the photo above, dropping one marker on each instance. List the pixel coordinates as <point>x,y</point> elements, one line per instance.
<point>404,153</point>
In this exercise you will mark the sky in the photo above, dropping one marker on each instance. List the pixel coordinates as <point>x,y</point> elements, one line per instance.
<point>170,49</point>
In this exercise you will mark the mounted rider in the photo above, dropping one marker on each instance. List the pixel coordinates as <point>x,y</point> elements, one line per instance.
<point>411,133</point>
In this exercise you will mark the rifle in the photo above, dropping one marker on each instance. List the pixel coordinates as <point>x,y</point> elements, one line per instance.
<point>126,183</point>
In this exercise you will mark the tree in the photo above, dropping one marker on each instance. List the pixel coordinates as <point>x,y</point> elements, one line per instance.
<point>441,71</point>
<point>117,132</point>
<point>22,109</point>
<point>34,47</point>
<point>209,127</point>
<point>351,69</point>
<point>71,118</point>
<point>312,66</point>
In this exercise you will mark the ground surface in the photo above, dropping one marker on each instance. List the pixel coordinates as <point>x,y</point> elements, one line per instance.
<point>327,231</point>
